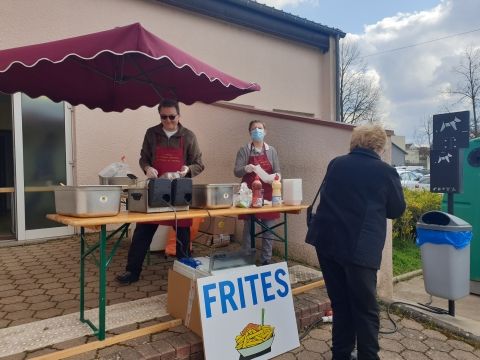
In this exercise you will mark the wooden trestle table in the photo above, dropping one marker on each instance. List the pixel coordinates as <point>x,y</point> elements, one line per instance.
<point>125,218</point>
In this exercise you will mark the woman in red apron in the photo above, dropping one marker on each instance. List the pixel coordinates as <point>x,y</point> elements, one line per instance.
<point>167,148</point>
<point>257,152</point>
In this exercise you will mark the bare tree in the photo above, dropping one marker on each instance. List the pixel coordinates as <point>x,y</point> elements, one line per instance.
<point>424,134</point>
<point>468,87</point>
<point>358,92</point>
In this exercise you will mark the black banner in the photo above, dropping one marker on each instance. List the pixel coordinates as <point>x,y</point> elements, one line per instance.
<point>445,171</point>
<point>451,134</point>
<point>451,130</point>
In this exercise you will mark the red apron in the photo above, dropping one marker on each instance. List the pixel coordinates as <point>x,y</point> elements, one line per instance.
<point>168,159</point>
<point>262,160</point>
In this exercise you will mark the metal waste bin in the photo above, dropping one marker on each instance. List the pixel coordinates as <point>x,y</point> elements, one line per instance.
<point>444,242</point>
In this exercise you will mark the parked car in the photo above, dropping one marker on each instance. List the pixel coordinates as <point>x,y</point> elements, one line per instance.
<point>408,179</point>
<point>424,183</point>
<point>423,171</point>
<point>418,170</point>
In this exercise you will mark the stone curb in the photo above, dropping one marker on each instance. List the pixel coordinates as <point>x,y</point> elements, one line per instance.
<point>407,276</point>
<point>178,342</point>
<point>418,315</point>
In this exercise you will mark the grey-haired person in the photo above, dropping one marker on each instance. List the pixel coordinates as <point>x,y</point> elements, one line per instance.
<point>359,192</point>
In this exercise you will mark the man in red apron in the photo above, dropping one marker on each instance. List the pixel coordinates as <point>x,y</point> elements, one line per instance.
<point>168,150</point>
<point>257,152</point>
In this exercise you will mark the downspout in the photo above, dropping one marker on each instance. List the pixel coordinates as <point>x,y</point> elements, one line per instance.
<point>337,75</point>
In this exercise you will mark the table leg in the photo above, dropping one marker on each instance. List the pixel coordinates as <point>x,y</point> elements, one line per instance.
<point>102,283</point>
<point>82,274</point>
<point>252,231</point>
<point>102,264</point>
<point>266,229</point>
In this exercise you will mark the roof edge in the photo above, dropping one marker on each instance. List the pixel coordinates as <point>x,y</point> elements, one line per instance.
<point>399,148</point>
<point>279,115</point>
<point>263,18</point>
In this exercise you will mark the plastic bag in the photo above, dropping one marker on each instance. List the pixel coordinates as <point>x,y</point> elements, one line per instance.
<point>116,169</point>
<point>458,239</point>
<point>266,178</point>
<point>243,198</point>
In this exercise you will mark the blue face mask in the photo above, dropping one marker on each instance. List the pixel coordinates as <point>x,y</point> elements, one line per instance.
<point>257,134</point>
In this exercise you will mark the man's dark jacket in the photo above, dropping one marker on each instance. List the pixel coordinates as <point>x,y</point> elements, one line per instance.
<point>358,194</point>
<point>191,151</point>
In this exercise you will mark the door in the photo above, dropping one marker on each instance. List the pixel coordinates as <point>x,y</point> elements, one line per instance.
<point>43,159</point>
<point>7,226</point>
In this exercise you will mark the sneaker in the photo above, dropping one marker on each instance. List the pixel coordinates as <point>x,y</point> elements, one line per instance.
<point>126,278</point>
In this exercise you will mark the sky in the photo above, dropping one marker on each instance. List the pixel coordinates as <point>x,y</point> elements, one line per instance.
<point>413,80</point>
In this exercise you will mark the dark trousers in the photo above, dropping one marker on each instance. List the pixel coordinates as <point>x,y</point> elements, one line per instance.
<point>352,292</point>
<point>142,238</point>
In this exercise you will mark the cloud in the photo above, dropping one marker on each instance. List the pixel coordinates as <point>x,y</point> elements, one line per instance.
<point>280,4</point>
<point>414,78</point>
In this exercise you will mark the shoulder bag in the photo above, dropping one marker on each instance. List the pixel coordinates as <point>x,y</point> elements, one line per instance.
<point>310,213</point>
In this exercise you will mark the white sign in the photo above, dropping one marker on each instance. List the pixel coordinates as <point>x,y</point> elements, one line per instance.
<point>248,313</point>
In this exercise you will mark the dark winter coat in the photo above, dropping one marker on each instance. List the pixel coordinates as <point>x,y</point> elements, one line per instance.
<point>359,192</point>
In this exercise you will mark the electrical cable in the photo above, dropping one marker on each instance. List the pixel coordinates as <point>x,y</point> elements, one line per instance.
<point>420,43</point>
<point>424,307</point>
<point>207,226</point>
<point>430,300</point>
<point>177,240</point>
<point>170,206</point>
<point>176,226</point>
<point>395,327</point>
<point>212,249</point>
<point>309,328</point>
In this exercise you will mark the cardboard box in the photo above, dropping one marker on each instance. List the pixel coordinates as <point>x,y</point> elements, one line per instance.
<point>218,240</point>
<point>180,288</point>
<point>202,238</point>
<point>218,225</point>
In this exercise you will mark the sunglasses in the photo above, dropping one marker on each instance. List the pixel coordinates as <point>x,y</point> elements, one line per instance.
<point>170,117</point>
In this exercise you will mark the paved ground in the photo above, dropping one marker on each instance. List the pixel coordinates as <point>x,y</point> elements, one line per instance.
<point>414,289</point>
<point>412,341</point>
<point>465,323</point>
<point>41,281</point>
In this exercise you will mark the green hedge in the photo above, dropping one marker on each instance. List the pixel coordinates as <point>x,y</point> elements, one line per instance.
<point>418,202</point>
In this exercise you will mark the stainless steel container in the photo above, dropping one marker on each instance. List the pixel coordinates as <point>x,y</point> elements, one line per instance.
<point>116,180</point>
<point>88,200</point>
<point>212,196</point>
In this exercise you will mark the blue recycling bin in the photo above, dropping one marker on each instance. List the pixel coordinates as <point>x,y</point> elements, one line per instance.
<point>444,242</point>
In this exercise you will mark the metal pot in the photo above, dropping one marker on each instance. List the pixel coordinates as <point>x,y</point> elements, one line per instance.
<point>118,180</point>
